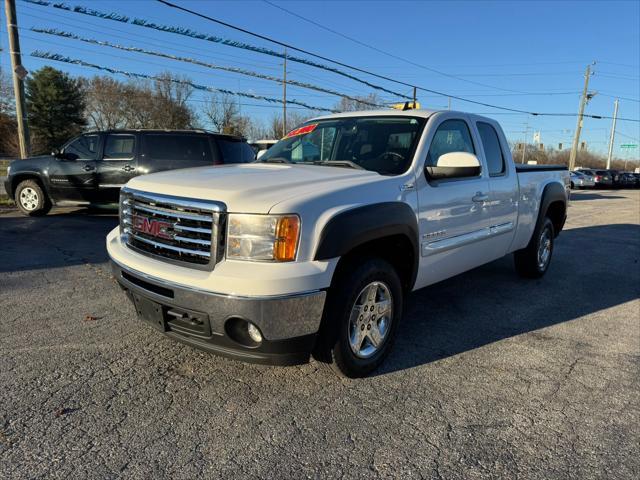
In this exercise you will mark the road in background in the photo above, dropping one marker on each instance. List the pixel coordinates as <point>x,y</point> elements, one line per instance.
<point>491,376</point>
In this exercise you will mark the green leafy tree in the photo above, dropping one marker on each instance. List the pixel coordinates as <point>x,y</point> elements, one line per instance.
<point>55,103</point>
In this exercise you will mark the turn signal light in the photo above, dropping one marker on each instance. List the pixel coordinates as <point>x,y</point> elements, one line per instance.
<point>287,233</point>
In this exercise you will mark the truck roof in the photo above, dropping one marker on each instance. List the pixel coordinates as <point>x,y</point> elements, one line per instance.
<point>424,113</point>
<point>161,130</point>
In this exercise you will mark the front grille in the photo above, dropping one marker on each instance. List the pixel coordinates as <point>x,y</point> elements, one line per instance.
<point>175,229</point>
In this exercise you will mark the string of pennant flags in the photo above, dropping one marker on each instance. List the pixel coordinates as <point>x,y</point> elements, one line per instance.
<point>210,38</point>
<point>74,61</point>
<point>241,71</point>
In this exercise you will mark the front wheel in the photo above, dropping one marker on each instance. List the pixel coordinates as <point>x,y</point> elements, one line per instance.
<point>363,310</point>
<point>533,261</point>
<point>31,199</point>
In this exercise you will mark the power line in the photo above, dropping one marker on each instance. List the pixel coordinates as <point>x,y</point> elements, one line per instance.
<point>239,71</point>
<point>379,50</point>
<point>61,58</point>
<point>383,77</point>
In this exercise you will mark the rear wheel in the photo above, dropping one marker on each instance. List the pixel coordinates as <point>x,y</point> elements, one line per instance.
<point>31,199</point>
<point>361,318</point>
<point>533,261</point>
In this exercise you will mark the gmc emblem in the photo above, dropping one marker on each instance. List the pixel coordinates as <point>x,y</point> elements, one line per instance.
<point>155,228</point>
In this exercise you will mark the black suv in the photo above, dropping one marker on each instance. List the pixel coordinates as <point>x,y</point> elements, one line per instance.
<point>91,168</point>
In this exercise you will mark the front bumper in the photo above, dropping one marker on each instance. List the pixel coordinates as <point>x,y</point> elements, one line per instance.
<point>202,319</point>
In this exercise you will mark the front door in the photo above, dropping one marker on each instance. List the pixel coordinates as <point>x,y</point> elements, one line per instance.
<point>117,166</point>
<point>453,220</point>
<point>72,176</point>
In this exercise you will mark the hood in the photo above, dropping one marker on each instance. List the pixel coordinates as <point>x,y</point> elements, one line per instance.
<point>250,187</point>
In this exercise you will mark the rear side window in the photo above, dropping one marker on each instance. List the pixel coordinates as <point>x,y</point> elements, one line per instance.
<point>119,147</point>
<point>492,149</point>
<point>451,136</point>
<point>83,148</point>
<point>234,151</point>
<point>178,148</point>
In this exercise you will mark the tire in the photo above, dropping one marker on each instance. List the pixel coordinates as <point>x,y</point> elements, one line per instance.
<point>533,261</point>
<point>31,199</point>
<point>348,309</point>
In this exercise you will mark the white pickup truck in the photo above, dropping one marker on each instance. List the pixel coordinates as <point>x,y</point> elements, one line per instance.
<point>313,249</point>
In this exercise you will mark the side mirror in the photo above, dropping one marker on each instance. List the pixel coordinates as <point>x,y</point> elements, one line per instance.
<point>454,165</point>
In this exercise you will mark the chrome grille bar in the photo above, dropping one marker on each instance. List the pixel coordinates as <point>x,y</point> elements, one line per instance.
<point>174,229</point>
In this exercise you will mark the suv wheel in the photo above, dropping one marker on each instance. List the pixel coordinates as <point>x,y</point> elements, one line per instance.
<point>533,261</point>
<point>361,318</point>
<point>31,199</point>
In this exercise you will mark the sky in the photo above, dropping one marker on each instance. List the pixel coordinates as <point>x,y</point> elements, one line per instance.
<point>525,55</point>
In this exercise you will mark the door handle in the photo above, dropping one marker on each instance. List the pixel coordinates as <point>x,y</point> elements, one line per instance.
<point>88,168</point>
<point>480,197</point>
<point>128,168</point>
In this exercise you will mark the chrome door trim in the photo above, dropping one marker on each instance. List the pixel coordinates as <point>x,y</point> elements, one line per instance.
<point>438,246</point>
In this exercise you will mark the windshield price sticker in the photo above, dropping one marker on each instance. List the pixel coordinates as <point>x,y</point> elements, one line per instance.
<point>302,130</point>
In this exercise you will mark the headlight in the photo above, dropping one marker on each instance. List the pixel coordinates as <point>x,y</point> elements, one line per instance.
<point>263,237</point>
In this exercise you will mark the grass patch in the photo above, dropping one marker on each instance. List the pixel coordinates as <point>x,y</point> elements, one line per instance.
<point>5,201</point>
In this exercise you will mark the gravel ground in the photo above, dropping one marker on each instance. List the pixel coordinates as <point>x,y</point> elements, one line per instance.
<point>492,376</point>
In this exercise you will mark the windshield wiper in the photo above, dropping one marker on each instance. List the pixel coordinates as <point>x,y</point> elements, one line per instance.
<point>275,160</point>
<point>338,163</point>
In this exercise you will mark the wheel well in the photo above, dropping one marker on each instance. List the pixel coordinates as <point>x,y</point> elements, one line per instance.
<point>26,176</point>
<point>395,249</point>
<point>556,213</point>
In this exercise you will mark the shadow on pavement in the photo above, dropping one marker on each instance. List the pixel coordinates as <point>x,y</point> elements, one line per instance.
<point>57,240</point>
<point>492,303</point>
<point>575,196</point>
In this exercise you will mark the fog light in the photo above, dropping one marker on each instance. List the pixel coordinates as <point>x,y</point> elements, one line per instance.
<point>254,333</point>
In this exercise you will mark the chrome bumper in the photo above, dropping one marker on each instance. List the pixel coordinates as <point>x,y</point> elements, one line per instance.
<point>288,323</point>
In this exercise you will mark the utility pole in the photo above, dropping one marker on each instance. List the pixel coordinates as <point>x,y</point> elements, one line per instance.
<point>18,73</point>
<point>613,133</point>
<point>414,97</point>
<point>449,103</point>
<point>524,143</point>
<point>583,102</point>
<point>284,96</point>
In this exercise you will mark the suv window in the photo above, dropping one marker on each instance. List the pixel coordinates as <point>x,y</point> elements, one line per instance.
<point>236,151</point>
<point>492,149</point>
<point>451,136</point>
<point>180,148</point>
<point>119,147</point>
<point>84,147</point>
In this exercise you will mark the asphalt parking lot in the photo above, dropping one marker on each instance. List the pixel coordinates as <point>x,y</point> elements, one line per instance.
<point>492,376</point>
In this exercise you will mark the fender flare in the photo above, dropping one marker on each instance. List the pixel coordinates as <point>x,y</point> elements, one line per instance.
<point>16,178</point>
<point>357,226</point>
<point>553,192</point>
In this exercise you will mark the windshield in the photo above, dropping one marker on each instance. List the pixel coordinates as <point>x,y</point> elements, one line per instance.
<point>379,144</point>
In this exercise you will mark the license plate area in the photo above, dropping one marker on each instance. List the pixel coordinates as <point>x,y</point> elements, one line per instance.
<point>151,312</point>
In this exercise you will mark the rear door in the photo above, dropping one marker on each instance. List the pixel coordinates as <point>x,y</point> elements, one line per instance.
<point>170,151</point>
<point>502,206</point>
<point>453,221</point>
<point>117,166</point>
<point>73,177</point>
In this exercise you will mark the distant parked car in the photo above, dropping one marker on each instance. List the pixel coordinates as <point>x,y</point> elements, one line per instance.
<point>581,180</point>
<point>616,180</point>
<point>629,180</point>
<point>636,177</point>
<point>91,168</point>
<point>603,179</point>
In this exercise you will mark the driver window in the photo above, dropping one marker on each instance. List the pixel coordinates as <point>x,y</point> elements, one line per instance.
<point>451,136</point>
<point>84,147</point>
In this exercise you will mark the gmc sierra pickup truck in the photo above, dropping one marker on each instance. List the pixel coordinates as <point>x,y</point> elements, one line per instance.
<point>314,248</point>
<point>91,168</point>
